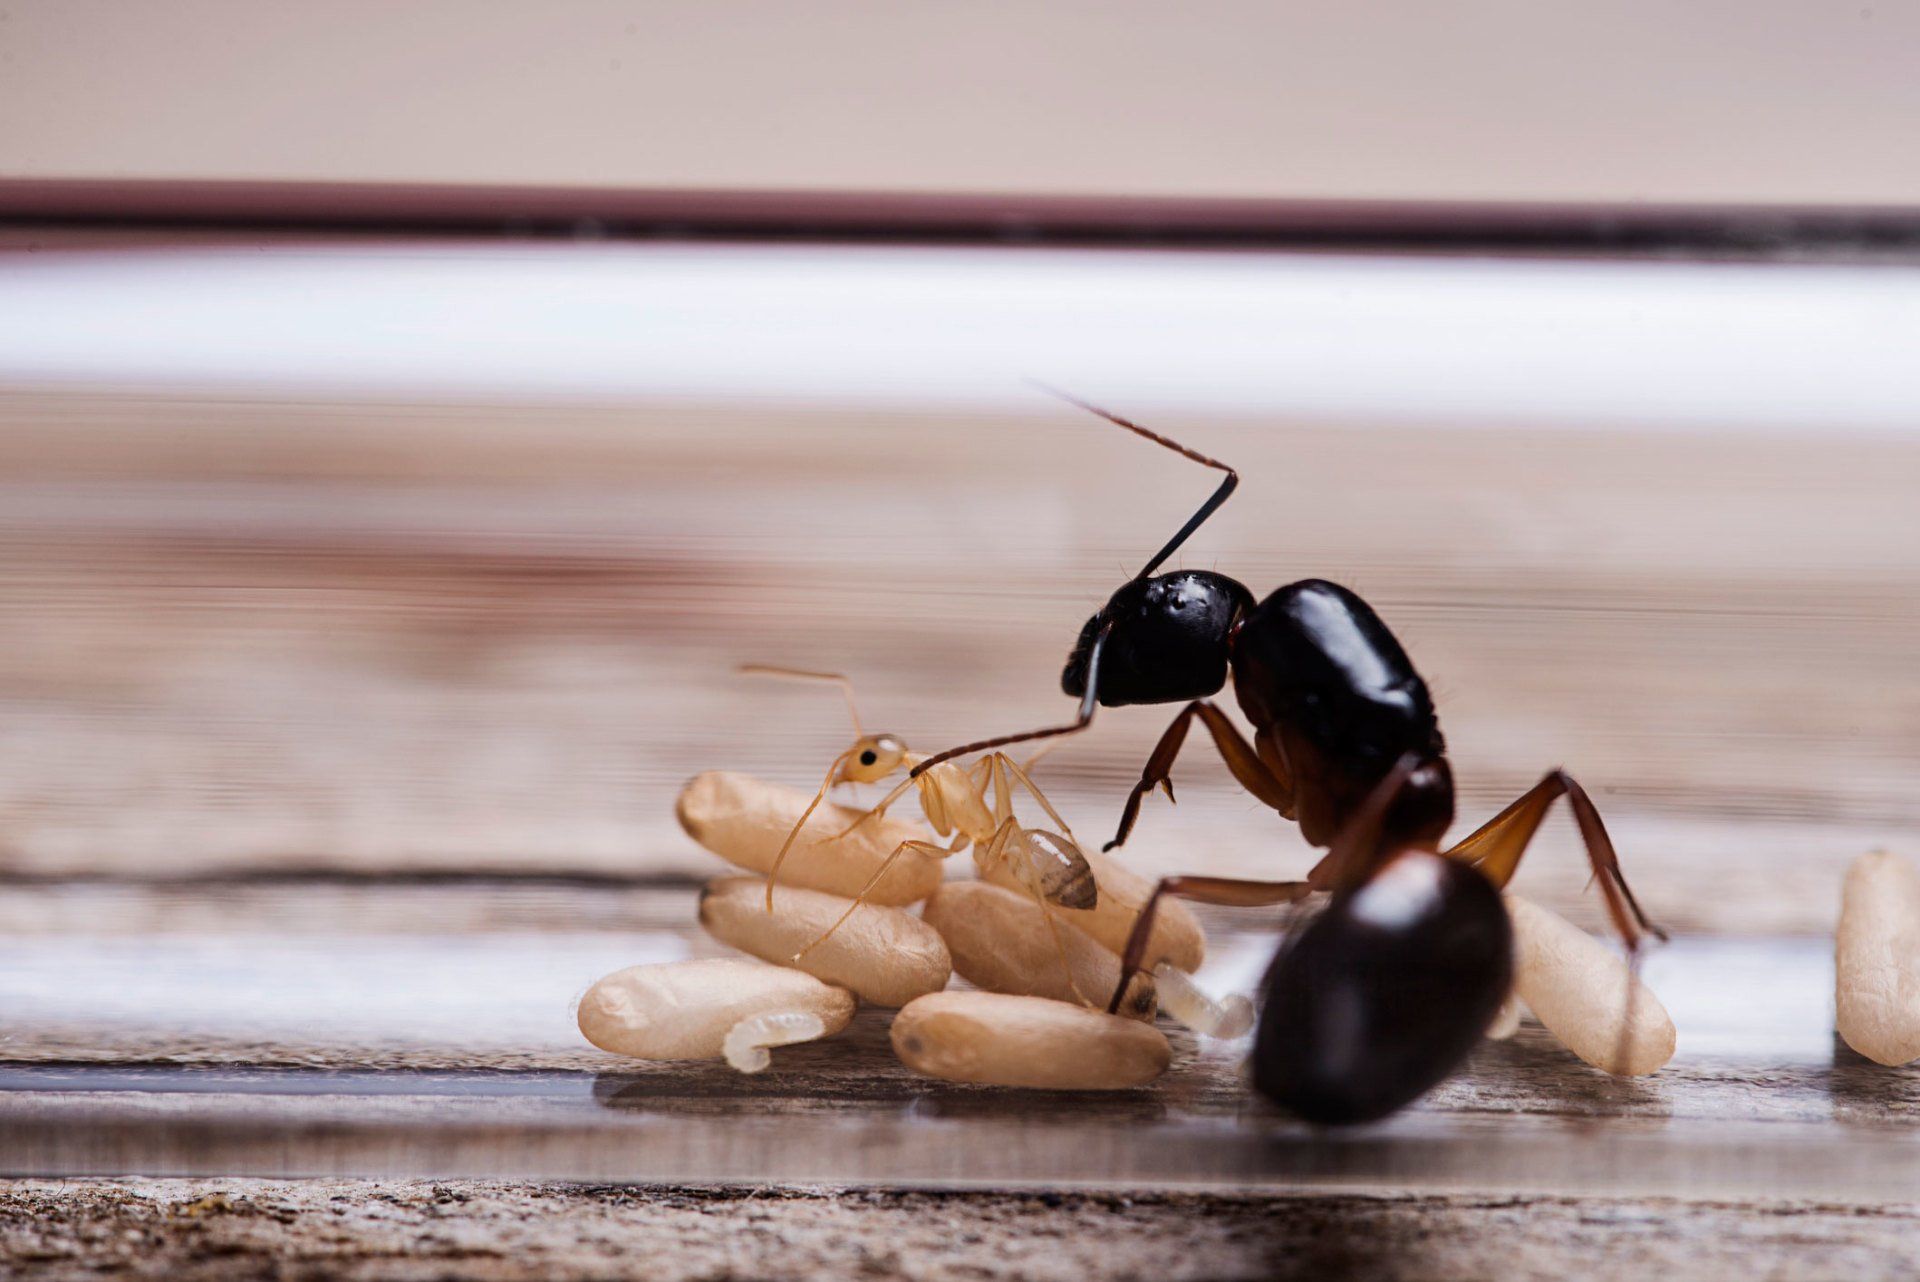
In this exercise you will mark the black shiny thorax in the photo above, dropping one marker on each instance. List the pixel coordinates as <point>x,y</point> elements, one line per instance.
<point>1315,657</point>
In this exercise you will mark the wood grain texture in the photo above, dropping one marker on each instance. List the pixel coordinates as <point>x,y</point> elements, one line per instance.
<point>206,1230</point>
<point>238,636</point>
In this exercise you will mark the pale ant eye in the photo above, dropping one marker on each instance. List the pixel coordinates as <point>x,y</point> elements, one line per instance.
<point>867,758</point>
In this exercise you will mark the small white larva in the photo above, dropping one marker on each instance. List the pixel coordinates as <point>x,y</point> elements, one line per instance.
<point>1176,938</point>
<point>1586,995</point>
<point>996,1039</point>
<point>886,956</point>
<point>748,1043</point>
<point>1877,959</point>
<point>1003,942</point>
<point>746,820</point>
<point>686,1009</point>
<point>1230,1017</point>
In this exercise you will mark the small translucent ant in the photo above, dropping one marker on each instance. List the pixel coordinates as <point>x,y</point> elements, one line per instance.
<point>964,805</point>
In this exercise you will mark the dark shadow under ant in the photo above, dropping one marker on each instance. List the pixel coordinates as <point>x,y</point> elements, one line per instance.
<point>1383,994</point>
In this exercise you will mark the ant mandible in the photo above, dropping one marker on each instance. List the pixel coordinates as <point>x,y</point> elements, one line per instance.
<point>1413,954</point>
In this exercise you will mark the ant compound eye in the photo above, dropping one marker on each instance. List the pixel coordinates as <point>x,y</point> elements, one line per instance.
<point>873,758</point>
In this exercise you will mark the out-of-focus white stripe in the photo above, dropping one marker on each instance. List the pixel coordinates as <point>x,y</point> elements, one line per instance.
<point>1341,338</point>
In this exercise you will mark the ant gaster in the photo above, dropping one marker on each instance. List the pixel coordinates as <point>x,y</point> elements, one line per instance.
<point>1412,956</point>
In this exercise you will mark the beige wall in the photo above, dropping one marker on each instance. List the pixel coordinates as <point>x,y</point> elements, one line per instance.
<point>1712,100</point>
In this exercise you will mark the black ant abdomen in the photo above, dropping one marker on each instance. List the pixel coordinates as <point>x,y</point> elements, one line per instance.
<point>1380,997</point>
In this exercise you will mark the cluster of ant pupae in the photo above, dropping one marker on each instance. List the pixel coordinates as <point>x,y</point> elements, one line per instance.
<point>1414,955</point>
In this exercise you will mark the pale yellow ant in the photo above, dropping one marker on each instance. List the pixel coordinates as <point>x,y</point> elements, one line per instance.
<point>956,803</point>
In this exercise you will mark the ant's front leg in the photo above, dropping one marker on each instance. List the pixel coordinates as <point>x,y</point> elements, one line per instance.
<point>1232,892</point>
<point>1497,847</point>
<point>879,812</point>
<point>1254,774</point>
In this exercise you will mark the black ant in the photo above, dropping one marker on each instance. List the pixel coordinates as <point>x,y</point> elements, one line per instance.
<point>1382,995</point>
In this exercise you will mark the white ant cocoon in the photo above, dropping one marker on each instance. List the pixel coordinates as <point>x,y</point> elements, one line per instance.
<point>1187,1002</point>
<point>1877,959</point>
<point>745,821</point>
<point>1006,943</point>
<point>747,1042</point>
<point>995,1039</point>
<point>686,1009</point>
<point>1586,995</point>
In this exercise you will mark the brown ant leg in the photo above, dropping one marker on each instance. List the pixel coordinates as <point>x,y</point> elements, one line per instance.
<point>1357,852</point>
<point>1232,892</point>
<point>1498,845</point>
<point>1253,774</point>
<point>1088,704</point>
<point>920,847</point>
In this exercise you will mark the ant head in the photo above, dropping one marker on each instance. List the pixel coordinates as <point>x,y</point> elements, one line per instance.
<point>1167,639</point>
<point>872,758</point>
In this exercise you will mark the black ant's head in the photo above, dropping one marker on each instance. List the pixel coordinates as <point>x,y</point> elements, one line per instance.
<point>1168,639</point>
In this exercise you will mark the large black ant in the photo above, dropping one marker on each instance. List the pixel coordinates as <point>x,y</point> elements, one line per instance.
<point>1381,996</point>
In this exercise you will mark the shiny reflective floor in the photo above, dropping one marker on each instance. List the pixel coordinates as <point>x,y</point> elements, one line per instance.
<point>454,1054</point>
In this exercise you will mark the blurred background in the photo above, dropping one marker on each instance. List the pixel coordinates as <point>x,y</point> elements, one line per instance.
<point>409,417</point>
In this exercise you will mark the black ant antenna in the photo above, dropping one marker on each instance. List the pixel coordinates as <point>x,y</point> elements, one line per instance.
<point>1207,509</point>
<point>1088,702</point>
<point>1091,700</point>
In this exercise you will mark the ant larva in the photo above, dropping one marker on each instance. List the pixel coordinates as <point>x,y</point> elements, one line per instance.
<point>1413,955</point>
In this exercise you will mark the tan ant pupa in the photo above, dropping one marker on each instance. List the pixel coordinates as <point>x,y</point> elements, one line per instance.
<point>1005,943</point>
<point>1586,994</point>
<point>883,955</point>
<point>1877,959</point>
<point>746,821</point>
<point>1000,1040</point>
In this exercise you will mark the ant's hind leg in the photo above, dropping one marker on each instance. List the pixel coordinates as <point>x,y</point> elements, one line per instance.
<point>1497,847</point>
<point>995,850</point>
<point>1002,761</point>
<point>1233,892</point>
<point>1248,768</point>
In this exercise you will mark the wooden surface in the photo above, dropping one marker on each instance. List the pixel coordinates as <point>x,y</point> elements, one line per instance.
<point>231,1229</point>
<point>341,743</point>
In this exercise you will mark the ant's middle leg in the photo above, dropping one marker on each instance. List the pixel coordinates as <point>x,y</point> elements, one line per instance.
<point>1253,773</point>
<point>1498,845</point>
<point>996,851</point>
<point>1232,892</point>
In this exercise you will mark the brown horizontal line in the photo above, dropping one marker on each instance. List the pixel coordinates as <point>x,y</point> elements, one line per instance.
<point>592,212</point>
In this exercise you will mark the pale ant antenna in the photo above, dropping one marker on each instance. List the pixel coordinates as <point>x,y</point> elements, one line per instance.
<point>801,674</point>
<point>1092,698</point>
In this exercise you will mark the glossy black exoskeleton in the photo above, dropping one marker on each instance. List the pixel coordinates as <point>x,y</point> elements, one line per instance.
<point>1345,743</point>
<point>1376,1000</point>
